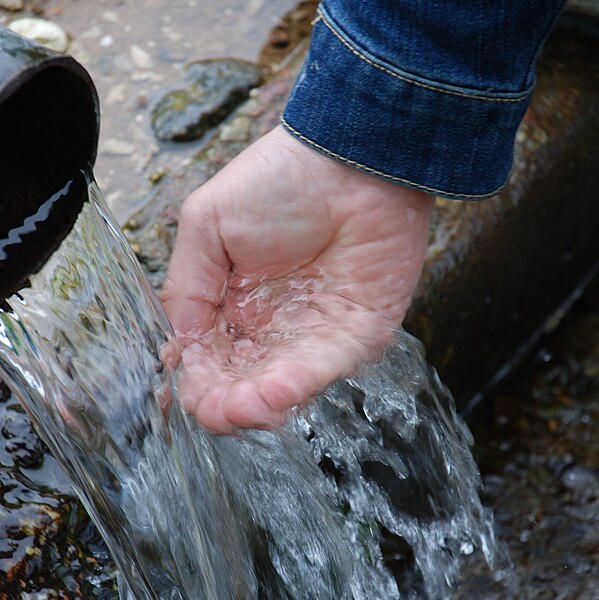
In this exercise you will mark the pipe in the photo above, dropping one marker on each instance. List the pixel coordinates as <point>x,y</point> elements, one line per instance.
<point>49,127</point>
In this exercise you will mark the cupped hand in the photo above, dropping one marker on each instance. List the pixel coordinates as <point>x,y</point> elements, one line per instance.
<point>290,268</point>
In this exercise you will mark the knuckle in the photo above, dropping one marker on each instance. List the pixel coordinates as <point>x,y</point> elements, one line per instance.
<point>196,204</point>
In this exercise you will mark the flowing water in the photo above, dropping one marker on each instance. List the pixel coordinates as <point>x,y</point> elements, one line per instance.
<point>305,512</point>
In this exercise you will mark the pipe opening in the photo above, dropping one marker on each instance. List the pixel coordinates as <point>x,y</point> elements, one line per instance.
<point>48,135</point>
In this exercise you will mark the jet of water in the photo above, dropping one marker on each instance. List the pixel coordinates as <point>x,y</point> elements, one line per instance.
<point>298,513</point>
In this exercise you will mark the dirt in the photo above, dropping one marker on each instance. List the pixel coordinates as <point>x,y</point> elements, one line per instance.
<point>291,33</point>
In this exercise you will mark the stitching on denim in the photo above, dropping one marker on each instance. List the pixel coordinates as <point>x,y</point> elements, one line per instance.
<point>361,56</point>
<point>358,165</point>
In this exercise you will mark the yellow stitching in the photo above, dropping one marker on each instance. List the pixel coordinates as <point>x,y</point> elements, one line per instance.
<point>406,79</point>
<point>317,18</point>
<point>380,173</point>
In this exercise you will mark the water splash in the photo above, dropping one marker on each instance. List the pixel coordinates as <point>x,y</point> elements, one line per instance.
<point>300,513</point>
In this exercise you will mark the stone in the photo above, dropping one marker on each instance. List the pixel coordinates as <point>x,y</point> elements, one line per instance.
<point>211,90</point>
<point>238,130</point>
<point>117,94</point>
<point>43,32</point>
<point>140,58</point>
<point>116,146</point>
<point>12,5</point>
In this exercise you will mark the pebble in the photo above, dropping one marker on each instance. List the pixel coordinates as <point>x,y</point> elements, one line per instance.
<point>44,32</point>
<point>116,146</point>
<point>117,94</point>
<point>111,17</point>
<point>13,5</point>
<point>107,41</point>
<point>141,59</point>
<point>253,7</point>
<point>238,130</point>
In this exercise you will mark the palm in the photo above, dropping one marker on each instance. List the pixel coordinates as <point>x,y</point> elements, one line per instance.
<point>289,270</point>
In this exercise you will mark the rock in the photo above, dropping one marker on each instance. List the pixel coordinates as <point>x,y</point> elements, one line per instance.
<point>116,146</point>
<point>43,32</point>
<point>111,17</point>
<point>238,130</point>
<point>210,91</point>
<point>117,94</point>
<point>13,5</point>
<point>107,41</point>
<point>140,58</point>
<point>46,539</point>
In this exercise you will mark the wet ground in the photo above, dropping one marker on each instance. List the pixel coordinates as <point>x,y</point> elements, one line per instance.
<point>538,449</point>
<point>49,549</point>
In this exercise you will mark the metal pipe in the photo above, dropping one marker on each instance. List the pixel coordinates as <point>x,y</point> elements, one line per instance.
<point>49,127</point>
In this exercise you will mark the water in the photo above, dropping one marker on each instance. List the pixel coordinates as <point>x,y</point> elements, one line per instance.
<point>305,512</point>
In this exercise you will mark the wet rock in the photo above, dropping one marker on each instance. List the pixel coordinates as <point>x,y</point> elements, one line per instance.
<point>12,5</point>
<point>43,32</point>
<point>48,546</point>
<point>211,90</point>
<point>18,441</point>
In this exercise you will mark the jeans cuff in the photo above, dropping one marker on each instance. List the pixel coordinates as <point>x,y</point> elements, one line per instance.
<point>446,140</point>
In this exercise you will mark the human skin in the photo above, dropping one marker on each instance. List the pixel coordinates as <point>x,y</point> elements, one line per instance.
<point>290,269</point>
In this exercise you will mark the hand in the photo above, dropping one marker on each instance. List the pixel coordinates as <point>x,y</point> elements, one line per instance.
<point>290,268</point>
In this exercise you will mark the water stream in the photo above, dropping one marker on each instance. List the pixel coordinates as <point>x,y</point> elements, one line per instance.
<point>301,513</point>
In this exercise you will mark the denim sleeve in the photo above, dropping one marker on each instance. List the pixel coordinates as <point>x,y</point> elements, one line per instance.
<point>427,93</point>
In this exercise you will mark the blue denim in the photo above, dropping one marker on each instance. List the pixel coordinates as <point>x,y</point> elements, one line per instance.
<point>427,93</point>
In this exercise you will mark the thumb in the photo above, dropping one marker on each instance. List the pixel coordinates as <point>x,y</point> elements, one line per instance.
<point>199,268</point>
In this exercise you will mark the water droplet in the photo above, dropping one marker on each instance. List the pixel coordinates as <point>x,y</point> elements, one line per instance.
<point>466,548</point>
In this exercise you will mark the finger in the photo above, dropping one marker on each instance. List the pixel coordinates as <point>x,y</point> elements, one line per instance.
<point>250,409</point>
<point>203,387</point>
<point>209,412</point>
<point>292,375</point>
<point>199,268</point>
